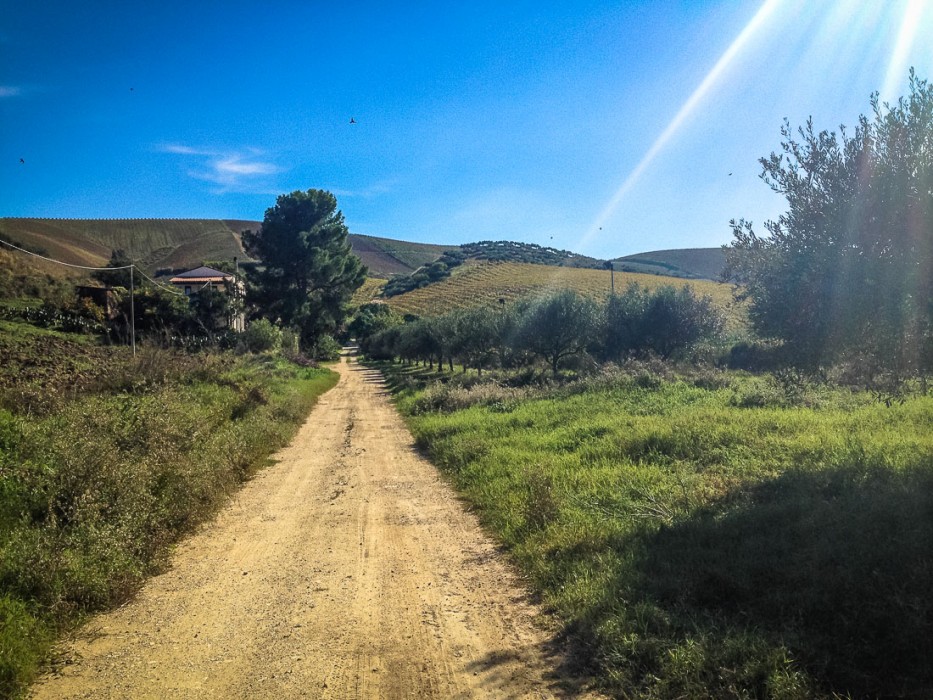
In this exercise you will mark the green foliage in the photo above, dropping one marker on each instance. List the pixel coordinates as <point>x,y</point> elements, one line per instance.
<point>699,545</point>
<point>212,310</point>
<point>846,273</point>
<point>662,321</point>
<point>556,326</point>
<point>94,490</point>
<point>437,270</point>
<point>325,349</point>
<point>369,320</point>
<point>22,641</point>
<point>499,251</point>
<point>262,335</point>
<point>309,272</point>
<point>118,274</point>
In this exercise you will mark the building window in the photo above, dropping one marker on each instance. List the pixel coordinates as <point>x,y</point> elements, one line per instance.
<point>187,290</point>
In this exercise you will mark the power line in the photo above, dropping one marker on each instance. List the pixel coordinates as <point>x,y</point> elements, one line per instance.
<point>59,262</point>
<point>85,267</point>
<point>157,284</point>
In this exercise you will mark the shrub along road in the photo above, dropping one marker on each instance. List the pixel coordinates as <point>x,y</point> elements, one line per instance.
<point>347,570</point>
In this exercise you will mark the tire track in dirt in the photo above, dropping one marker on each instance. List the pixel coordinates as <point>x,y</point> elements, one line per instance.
<point>346,570</point>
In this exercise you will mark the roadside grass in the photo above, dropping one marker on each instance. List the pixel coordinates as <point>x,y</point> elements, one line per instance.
<point>709,536</point>
<point>95,487</point>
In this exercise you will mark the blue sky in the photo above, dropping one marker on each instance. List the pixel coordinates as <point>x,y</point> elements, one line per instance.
<point>606,128</point>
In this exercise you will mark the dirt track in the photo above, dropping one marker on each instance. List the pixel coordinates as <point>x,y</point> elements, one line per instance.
<point>347,570</point>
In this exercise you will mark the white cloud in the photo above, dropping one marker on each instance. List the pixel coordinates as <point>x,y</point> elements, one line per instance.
<point>183,150</point>
<point>246,170</point>
<point>10,91</point>
<point>373,190</point>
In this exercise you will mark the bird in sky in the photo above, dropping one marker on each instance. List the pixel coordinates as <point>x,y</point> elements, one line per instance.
<point>22,161</point>
<point>730,174</point>
<point>352,120</point>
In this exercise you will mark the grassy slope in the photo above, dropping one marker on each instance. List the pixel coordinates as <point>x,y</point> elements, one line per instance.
<point>705,541</point>
<point>385,257</point>
<point>155,242</point>
<point>484,283</point>
<point>102,467</point>
<point>703,263</point>
<point>178,243</point>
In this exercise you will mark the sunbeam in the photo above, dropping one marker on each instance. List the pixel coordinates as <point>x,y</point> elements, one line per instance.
<point>685,111</point>
<point>897,68</point>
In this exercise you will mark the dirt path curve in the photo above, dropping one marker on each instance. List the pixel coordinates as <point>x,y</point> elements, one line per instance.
<point>347,570</point>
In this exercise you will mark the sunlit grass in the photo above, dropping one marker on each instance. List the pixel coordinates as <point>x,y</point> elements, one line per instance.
<point>702,548</point>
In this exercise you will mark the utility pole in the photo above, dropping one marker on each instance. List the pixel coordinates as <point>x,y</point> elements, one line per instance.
<point>132,312</point>
<point>612,277</point>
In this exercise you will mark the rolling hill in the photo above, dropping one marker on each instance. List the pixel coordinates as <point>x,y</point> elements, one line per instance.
<point>180,243</point>
<point>485,283</point>
<point>156,243</point>
<point>691,263</point>
<point>494,269</point>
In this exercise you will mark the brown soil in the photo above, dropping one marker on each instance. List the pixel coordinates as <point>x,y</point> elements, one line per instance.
<point>347,570</point>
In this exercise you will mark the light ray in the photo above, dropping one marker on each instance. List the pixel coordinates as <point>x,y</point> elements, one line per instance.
<point>737,45</point>
<point>897,68</point>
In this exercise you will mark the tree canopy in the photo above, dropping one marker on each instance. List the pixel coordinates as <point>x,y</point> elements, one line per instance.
<point>309,271</point>
<point>847,271</point>
<point>117,273</point>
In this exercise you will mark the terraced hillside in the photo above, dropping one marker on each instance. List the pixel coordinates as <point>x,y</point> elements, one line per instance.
<point>480,283</point>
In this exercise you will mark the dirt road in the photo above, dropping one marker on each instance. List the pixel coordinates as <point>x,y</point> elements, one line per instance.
<point>347,570</point>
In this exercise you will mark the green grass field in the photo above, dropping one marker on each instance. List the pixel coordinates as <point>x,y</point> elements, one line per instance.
<point>711,535</point>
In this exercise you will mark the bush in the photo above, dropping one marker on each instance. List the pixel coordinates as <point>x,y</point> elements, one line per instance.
<point>262,335</point>
<point>22,641</point>
<point>325,349</point>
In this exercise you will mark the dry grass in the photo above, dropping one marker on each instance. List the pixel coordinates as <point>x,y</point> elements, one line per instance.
<point>370,289</point>
<point>154,242</point>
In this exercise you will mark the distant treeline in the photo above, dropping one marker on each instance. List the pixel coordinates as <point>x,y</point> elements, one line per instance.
<point>558,329</point>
